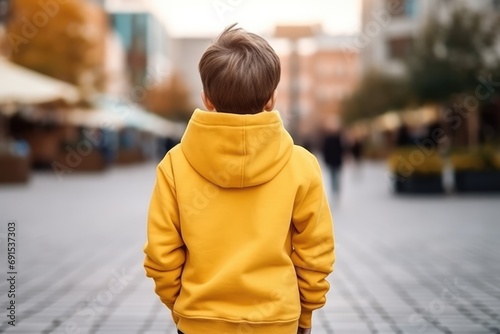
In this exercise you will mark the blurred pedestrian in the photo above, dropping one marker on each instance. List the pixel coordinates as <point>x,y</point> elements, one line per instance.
<point>333,154</point>
<point>357,151</point>
<point>404,137</point>
<point>239,220</point>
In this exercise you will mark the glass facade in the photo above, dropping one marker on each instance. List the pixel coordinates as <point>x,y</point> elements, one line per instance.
<point>132,28</point>
<point>406,8</point>
<point>145,43</point>
<point>411,8</point>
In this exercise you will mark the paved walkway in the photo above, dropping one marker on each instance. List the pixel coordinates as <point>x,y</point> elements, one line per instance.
<point>405,265</point>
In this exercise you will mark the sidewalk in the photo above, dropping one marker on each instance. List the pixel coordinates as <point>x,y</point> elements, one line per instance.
<point>404,265</point>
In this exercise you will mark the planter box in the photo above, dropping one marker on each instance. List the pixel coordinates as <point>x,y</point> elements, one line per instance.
<point>93,162</point>
<point>44,147</point>
<point>131,156</point>
<point>477,181</point>
<point>419,184</point>
<point>14,169</point>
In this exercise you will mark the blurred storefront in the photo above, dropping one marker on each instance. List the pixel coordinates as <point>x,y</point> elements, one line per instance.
<point>445,118</point>
<point>19,148</point>
<point>99,118</point>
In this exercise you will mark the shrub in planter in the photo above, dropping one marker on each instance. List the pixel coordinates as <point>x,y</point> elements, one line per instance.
<point>416,171</point>
<point>14,168</point>
<point>15,161</point>
<point>476,170</point>
<point>129,156</point>
<point>496,160</point>
<point>68,162</point>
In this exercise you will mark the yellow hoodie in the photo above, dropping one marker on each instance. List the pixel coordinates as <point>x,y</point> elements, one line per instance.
<point>239,231</point>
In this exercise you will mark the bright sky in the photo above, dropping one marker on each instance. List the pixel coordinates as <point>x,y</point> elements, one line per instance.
<point>208,17</point>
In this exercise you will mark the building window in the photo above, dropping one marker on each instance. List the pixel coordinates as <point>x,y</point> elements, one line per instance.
<point>400,47</point>
<point>340,70</point>
<point>405,8</point>
<point>338,93</point>
<point>322,94</point>
<point>322,69</point>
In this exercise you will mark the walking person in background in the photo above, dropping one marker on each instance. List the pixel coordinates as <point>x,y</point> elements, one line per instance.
<point>333,154</point>
<point>356,151</point>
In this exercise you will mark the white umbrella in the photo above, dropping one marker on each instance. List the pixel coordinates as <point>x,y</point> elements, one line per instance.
<point>135,116</point>
<point>24,86</point>
<point>94,118</point>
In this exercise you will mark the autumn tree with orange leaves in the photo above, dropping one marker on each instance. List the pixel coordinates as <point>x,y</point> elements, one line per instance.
<point>170,99</point>
<point>64,39</point>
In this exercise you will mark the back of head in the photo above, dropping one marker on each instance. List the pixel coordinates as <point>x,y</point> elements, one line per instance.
<point>240,72</point>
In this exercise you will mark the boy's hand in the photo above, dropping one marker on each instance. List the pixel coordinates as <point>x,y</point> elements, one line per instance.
<point>304,331</point>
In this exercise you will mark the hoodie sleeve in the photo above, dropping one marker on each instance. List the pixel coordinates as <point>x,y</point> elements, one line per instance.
<point>313,245</point>
<point>165,251</point>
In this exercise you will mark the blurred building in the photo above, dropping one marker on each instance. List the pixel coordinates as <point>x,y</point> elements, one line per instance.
<point>325,74</point>
<point>335,72</point>
<point>388,32</point>
<point>185,54</point>
<point>389,28</point>
<point>144,40</point>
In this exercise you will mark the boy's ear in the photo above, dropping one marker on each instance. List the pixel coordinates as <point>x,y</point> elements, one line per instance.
<point>272,102</point>
<point>208,104</point>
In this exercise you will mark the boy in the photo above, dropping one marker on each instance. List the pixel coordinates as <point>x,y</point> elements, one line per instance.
<point>239,231</point>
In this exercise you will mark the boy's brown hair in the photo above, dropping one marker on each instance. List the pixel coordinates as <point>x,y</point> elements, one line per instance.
<point>239,71</point>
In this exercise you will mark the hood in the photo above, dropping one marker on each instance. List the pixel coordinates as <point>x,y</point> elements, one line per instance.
<point>237,151</point>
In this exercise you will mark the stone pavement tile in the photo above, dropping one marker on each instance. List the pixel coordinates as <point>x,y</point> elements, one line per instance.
<point>89,299</point>
<point>128,310</point>
<point>162,321</point>
<point>354,328</point>
<point>384,327</point>
<point>25,328</point>
<point>429,330</point>
<point>337,318</point>
<point>469,331</point>
<point>163,329</point>
<point>397,309</point>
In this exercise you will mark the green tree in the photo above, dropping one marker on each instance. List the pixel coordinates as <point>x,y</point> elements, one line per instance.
<point>452,59</point>
<point>449,56</point>
<point>377,94</point>
<point>448,59</point>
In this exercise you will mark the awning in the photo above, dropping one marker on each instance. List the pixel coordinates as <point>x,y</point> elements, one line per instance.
<point>94,118</point>
<point>135,117</point>
<point>389,121</point>
<point>421,117</point>
<point>24,86</point>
